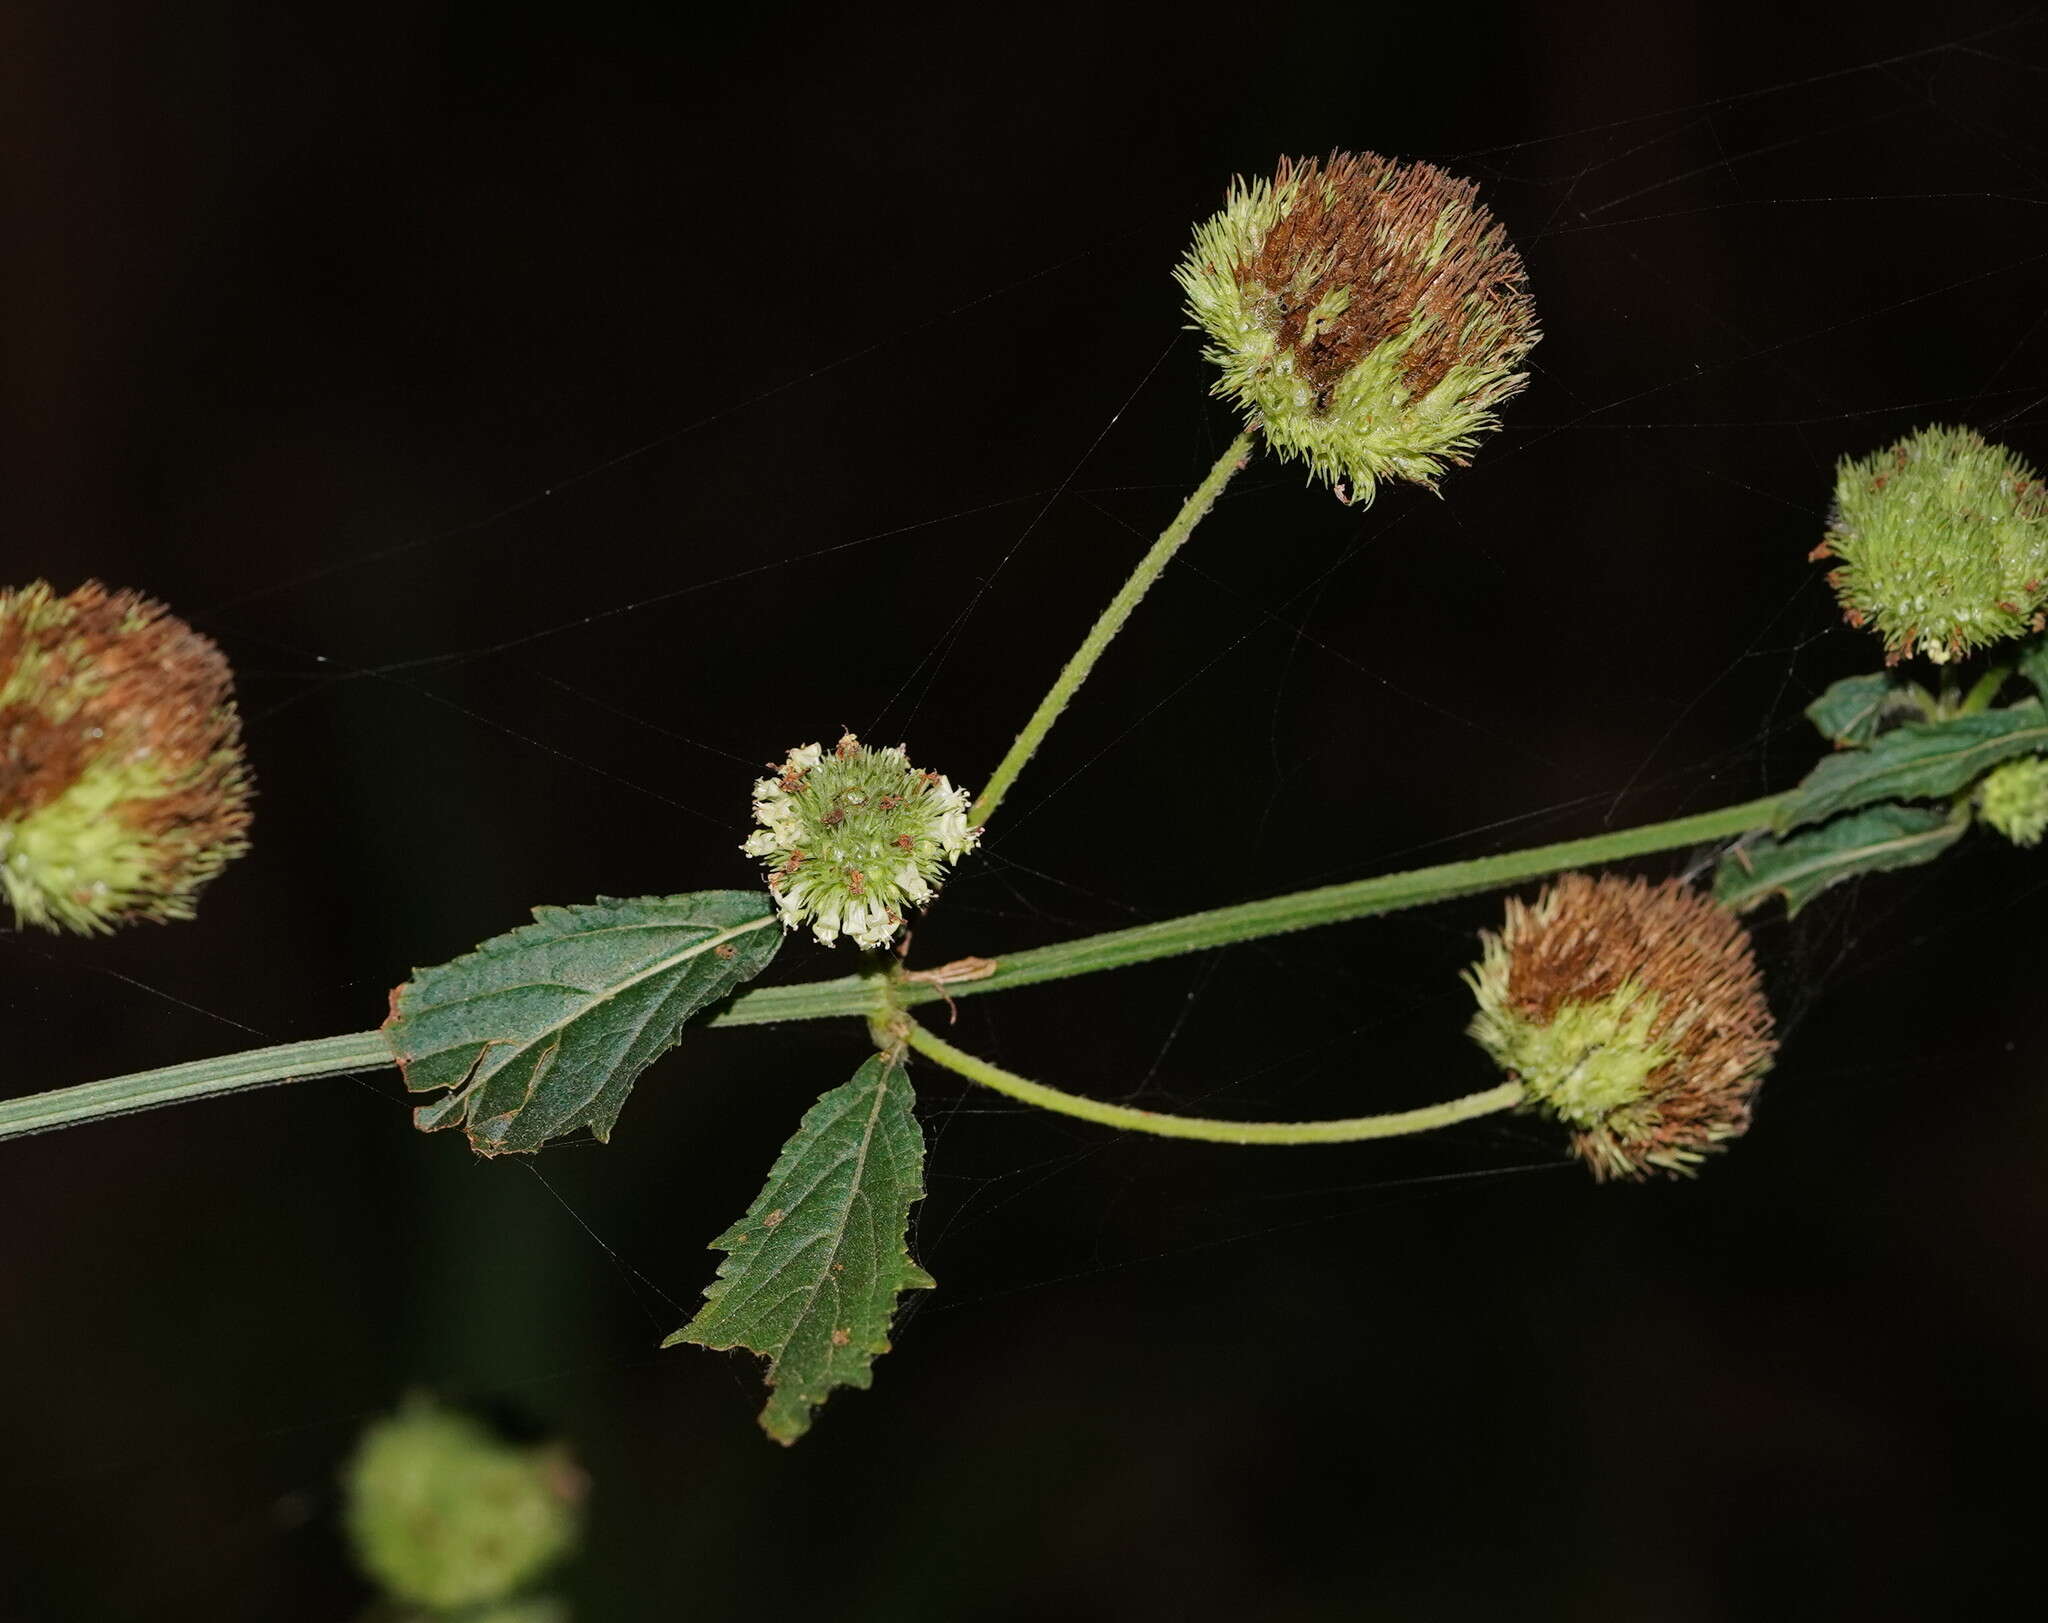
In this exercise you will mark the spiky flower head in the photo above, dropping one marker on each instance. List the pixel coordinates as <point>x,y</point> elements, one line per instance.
<point>2014,799</point>
<point>1943,542</point>
<point>122,786</point>
<point>444,1514</point>
<point>1368,314</point>
<point>1633,1013</point>
<point>854,836</point>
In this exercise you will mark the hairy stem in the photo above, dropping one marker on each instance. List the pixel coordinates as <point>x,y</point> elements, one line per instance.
<point>867,995</point>
<point>1107,625</point>
<point>1346,1130</point>
<point>1249,921</point>
<point>199,1079</point>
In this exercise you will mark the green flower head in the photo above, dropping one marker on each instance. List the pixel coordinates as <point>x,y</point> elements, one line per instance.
<point>853,837</point>
<point>1631,1013</point>
<point>1367,314</point>
<point>122,788</point>
<point>1943,542</point>
<point>443,1514</point>
<point>2014,799</point>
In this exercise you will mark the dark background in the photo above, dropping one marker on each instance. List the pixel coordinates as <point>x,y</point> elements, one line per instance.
<point>496,385</point>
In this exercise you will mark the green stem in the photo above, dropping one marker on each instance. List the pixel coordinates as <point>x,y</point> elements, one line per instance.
<point>1107,625</point>
<point>199,1079</point>
<point>1249,921</point>
<point>867,995</point>
<point>1216,1131</point>
<point>1988,685</point>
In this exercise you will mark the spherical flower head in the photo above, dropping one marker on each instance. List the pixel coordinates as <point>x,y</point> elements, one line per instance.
<point>1368,314</point>
<point>2013,799</point>
<point>854,836</point>
<point>1943,542</point>
<point>122,785</point>
<point>1633,1014</point>
<point>445,1515</point>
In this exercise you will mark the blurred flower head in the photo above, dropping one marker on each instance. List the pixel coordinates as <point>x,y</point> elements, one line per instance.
<point>122,785</point>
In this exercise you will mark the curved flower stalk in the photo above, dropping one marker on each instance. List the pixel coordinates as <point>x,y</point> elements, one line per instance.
<point>122,785</point>
<point>1368,314</point>
<point>853,838</point>
<point>1943,544</point>
<point>1632,1013</point>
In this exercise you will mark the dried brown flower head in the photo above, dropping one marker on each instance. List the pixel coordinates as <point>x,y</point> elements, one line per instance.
<point>122,787</point>
<point>1632,1012</point>
<point>1370,314</point>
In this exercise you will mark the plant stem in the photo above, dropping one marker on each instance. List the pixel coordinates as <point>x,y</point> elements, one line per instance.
<point>1216,1131</point>
<point>1249,921</point>
<point>867,995</point>
<point>1107,625</point>
<point>198,1079</point>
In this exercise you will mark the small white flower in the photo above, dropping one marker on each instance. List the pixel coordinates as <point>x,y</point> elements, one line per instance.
<point>853,837</point>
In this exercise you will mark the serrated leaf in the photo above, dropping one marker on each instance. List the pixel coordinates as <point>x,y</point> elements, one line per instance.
<point>1869,841</point>
<point>1922,760</point>
<point>814,1269</point>
<point>545,1029</point>
<point>2033,663</point>
<point>1850,712</point>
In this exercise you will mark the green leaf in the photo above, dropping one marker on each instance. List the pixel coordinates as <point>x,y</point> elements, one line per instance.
<point>546,1029</point>
<point>816,1265</point>
<point>1923,760</point>
<point>2033,663</point>
<point>1869,841</point>
<point>1852,710</point>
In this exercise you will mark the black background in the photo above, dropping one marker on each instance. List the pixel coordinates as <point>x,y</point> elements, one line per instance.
<point>377,338</point>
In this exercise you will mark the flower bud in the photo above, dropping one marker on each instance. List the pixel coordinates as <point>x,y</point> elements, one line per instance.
<point>1943,542</point>
<point>442,1514</point>
<point>1632,1013</point>
<point>2013,799</point>
<point>122,786</point>
<point>854,837</point>
<point>1368,314</point>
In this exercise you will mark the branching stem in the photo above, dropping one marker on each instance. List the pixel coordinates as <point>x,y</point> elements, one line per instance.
<point>865,996</point>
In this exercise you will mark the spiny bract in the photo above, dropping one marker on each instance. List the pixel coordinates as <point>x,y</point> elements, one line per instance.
<point>853,837</point>
<point>1368,314</point>
<point>1632,1013</point>
<point>1943,542</point>
<point>122,787</point>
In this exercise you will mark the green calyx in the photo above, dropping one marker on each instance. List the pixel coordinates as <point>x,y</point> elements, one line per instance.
<point>85,861</point>
<point>2013,798</point>
<point>1943,544</point>
<point>442,1514</point>
<point>1590,1065</point>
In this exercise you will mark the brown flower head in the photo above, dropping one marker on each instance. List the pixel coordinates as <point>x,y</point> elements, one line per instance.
<point>1631,1012</point>
<point>1368,313</point>
<point>122,788</point>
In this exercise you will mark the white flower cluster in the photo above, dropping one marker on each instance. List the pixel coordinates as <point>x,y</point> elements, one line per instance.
<point>853,836</point>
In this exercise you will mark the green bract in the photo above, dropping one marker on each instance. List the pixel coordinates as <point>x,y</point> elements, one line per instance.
<point>1943,542</point>
<point>1369,315</point>
<point>854,837</point>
